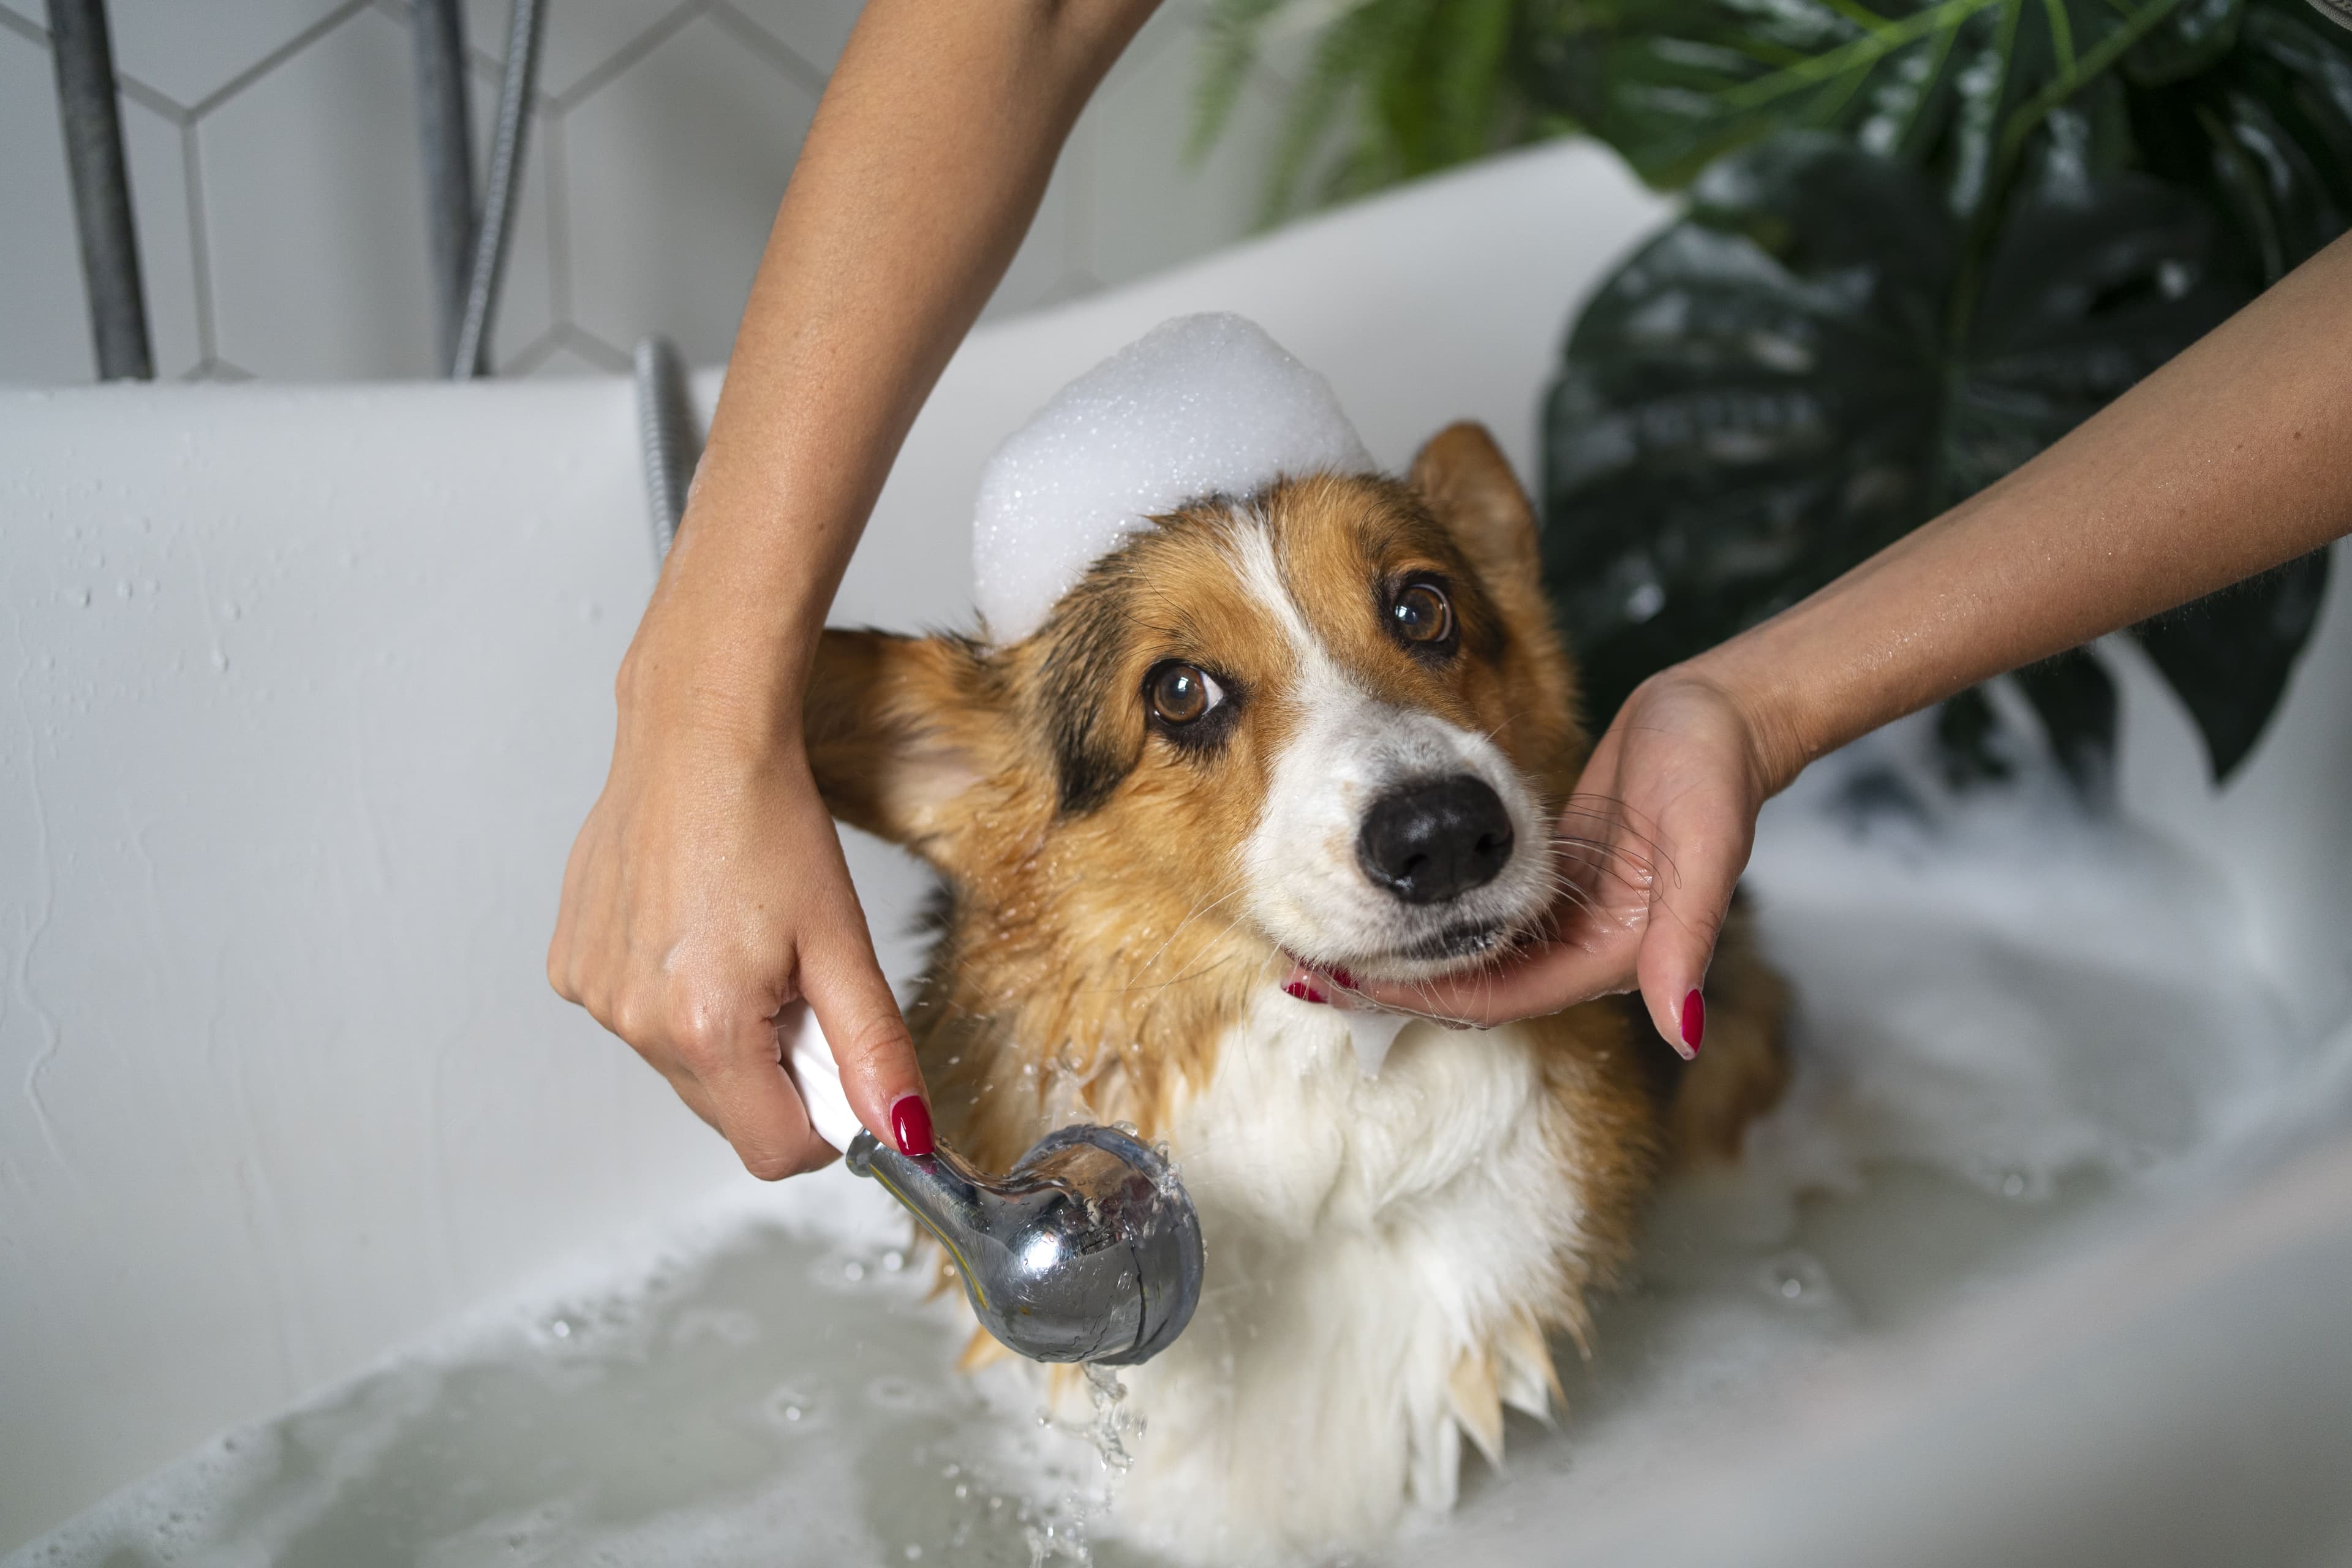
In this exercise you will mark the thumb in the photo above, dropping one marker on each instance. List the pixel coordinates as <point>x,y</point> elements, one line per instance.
<point>844,985</point>
<point>1688,909</point>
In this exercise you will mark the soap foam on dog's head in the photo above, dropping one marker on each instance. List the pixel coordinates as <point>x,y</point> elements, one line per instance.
<point>1199,406</point>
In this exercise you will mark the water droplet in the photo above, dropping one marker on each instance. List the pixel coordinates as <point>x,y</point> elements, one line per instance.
<point>561,1329</point>
<point>1797,1279</point>
<point>894,1260</point>
<point>853,1271</point>
<point>2013,1185</point>
<point>914,1552</point>
<point>962,1491</point>
<point>791,1412</point>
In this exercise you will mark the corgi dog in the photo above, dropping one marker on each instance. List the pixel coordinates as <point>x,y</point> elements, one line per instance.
<point>1332,723</point>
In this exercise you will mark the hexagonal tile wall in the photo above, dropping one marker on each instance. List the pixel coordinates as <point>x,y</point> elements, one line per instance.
<point>278,183</point>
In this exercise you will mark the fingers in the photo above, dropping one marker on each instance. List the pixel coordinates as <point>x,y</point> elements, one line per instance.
<point>843,983</point>
<point>730,1072</point>
<point>1533,984</point>
<point>1686,916</point>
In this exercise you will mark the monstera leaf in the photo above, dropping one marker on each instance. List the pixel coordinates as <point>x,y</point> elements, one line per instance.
<point>1958,85</point>
<point>1806,367</point>
<point>2263,127</point>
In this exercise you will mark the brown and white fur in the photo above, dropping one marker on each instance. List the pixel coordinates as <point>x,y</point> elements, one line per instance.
<point>1387,1256</point>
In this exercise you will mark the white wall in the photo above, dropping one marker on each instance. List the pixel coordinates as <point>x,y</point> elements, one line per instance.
<point>303,693</point>
<point>279,189</point>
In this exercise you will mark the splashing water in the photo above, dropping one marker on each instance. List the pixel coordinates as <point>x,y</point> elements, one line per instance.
<point>1114,1424</point>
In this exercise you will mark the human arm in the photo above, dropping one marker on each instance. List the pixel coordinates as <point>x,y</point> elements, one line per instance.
<point>707,891</point>
<point>2232,459</point>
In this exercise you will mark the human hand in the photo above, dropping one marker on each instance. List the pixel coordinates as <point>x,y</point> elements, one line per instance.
<point>1649,848</point>
<point>706,894</point>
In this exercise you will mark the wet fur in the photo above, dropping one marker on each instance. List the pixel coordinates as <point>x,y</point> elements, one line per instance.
<point>1389,1256</point>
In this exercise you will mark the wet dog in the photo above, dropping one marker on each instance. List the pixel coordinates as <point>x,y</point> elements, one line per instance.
<point>1330,721</point>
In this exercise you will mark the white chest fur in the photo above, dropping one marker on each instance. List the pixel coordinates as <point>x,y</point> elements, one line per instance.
<point>1368,1237</point>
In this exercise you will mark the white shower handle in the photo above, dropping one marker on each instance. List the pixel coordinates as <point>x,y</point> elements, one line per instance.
<point>809,1059</point>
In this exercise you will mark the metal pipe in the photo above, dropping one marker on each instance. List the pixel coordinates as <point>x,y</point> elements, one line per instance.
<point>446,118</point>
<point>83,54</point>
<point>504,184</point>
<point>670,443</point>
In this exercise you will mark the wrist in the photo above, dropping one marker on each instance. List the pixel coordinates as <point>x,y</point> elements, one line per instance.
<point>1777,729</point>
<point>714,668</point>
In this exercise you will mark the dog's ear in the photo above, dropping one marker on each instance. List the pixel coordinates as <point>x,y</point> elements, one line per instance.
<point>1464,479</point>
<point>1467,484</point>
<point>898,731</point>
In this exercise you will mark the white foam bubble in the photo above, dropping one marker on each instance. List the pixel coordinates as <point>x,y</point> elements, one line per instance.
<point>1199,406</point>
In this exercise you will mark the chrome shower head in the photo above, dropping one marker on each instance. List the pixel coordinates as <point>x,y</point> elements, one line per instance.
<point>1087,1250</point>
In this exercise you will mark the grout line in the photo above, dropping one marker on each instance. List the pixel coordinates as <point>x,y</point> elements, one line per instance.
<point>534,353</point>
<point>778,53</point>
<point>637,48</point>
<point>278,57</point>
<point>591,347</point>
<point>200,253</point>
<point>129,86</point>
<point>147,98</point>
<point>555,164</point>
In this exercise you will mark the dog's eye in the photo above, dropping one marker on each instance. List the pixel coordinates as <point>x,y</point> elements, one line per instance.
<point>1421,614</point>
<point>1183,693</point>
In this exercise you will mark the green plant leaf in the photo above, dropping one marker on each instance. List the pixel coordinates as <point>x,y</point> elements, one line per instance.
<point>2265,133</point>
<point>1802,371</point>
<point>2229,655</point>
<point>1393,88</point>
<point>2196,34</point>
<point>1956,84</point>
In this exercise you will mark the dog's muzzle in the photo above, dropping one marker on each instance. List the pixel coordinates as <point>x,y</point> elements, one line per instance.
<point>1435,839</point>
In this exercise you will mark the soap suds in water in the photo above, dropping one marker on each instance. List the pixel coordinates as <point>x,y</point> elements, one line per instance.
<point>1199,405</point>
<point>2009,1019</point>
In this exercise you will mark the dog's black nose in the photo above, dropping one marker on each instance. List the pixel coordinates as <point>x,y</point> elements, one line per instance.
<point>1430,841</point>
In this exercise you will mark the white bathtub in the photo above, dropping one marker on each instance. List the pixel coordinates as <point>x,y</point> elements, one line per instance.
<point>306,689</point>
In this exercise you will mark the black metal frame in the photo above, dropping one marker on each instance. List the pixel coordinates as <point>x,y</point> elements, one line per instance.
<point>82,50</point>
<point>469,245</point>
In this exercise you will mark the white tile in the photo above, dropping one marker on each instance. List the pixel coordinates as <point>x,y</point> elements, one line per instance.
<point>314,206</point>
<point>673,173</point>
<point>814,29</point>
<point>36,195</point>
<point>565,361</point>
<point>1149,205</point>
<point>582,38</point>
<point>152,149</point>
<point>44,316</point>
<point>189,49</point>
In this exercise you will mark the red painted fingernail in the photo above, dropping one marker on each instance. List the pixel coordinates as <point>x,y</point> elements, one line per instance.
<point>1342,979</point>
<point>1693,1021</point>
<point>910,1122</point>
<point>1303,991</point>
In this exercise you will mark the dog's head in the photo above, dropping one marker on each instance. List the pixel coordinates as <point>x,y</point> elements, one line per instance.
<point>1331,719</point>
